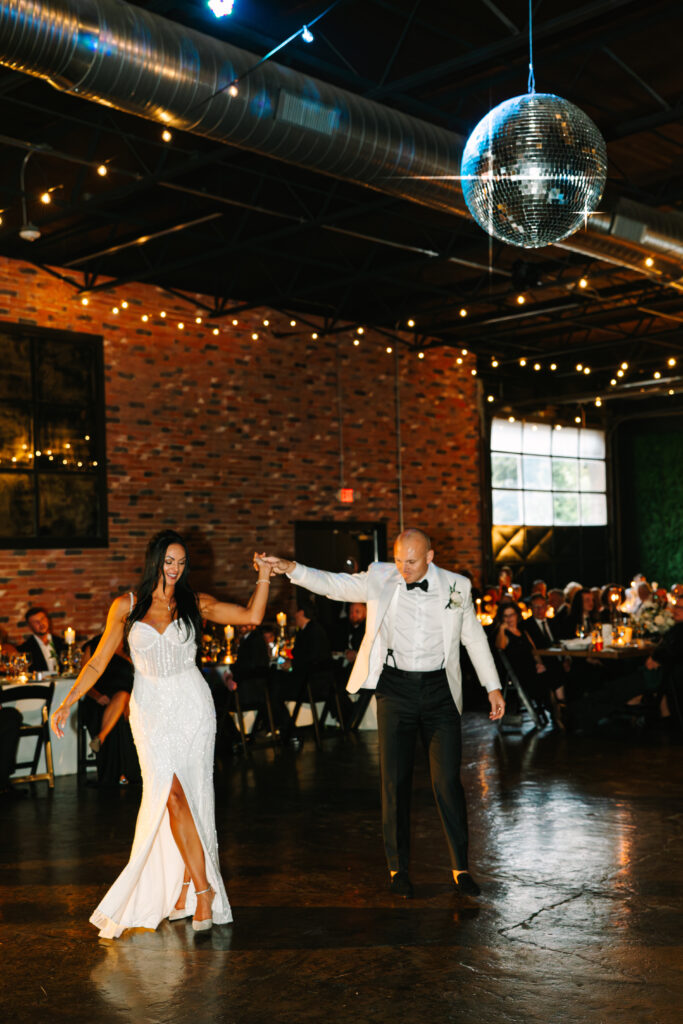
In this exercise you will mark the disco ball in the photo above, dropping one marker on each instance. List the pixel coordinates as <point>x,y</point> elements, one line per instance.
<point>533,169</point>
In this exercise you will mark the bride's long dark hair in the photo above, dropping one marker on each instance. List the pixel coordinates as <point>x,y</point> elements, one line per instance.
<point>187,608</point>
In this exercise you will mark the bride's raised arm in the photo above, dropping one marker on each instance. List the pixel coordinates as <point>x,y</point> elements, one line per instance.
<point>250,614</point>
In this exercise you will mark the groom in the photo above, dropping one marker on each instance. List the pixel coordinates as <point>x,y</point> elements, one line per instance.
<point>417,616</point>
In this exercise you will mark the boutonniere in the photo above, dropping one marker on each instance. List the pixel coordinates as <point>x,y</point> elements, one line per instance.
<point>454,598</point>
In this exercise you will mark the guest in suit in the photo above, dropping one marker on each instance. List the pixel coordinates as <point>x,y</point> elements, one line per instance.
<point>354,631</point>
<point>540,628</point>
<point>417,615</point>
<point>43,647</point>
<point>311,654</point>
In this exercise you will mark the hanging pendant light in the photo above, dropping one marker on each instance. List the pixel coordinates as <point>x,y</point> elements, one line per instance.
<point>534,168</point>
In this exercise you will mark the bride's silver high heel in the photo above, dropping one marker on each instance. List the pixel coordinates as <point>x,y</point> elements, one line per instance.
<point>176,914</point>
<point>202,926</point>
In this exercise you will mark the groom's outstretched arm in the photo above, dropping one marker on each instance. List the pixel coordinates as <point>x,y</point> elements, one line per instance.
<point>339,586</point>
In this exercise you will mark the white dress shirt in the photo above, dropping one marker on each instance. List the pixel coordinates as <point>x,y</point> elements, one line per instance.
<point>412,627</point>
<point>49,651</point>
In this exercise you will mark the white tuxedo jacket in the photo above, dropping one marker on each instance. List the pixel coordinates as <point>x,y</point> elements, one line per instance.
<point>375,588</point>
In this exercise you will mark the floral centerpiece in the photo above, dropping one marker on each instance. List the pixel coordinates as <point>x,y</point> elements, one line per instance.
<point>654,619</point>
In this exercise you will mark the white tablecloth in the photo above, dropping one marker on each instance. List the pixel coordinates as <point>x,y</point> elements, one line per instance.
<point>64,751</point>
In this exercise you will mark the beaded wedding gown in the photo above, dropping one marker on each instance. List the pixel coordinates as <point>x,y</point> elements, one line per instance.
<point>174,723</point>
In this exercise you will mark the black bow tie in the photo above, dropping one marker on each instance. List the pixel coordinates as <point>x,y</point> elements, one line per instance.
<point>423,585</point>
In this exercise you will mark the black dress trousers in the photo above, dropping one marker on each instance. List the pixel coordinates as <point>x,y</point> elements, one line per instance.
<point>409,703</point>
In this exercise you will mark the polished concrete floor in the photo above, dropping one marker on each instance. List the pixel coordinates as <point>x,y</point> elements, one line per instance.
<point>577,842</point>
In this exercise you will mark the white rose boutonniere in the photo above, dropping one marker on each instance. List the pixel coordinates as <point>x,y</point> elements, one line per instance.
<point>454,598</point>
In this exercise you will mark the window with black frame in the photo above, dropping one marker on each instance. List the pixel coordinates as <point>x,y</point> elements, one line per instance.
<point>52,472</point>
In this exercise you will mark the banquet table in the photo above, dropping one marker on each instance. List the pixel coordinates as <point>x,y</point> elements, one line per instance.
<point>623,652</point>
<point>64,751</point>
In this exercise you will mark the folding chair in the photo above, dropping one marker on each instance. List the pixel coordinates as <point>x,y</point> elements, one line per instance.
<point>85,757</point>
<point>538,717</point>
<point>316,679</point>
<point>43,692</point>
<point>254,705</point>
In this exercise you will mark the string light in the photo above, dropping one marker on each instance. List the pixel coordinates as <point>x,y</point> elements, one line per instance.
<point>163,314</point>
<point>233,90</point>
<point>115,310</point>
<point>511,419</point>
<point>463,351</point>
<point>166,135</point>
<point>553,366</point>
<point>389,350</point>
<point>266,323</point>
<point>411,323</point>
<point>306,34</point>
<point>102,170</point>
<point>215,331</point>
<point>254,336</point>
<point>671,362</point>
<point>613,381</point>
<point>577,419</point>
<point>490,398</point>
<point>657,375</point>
<point>124,304</point>
<point>85,301</point>
<point>197,319</point>
<point>671,391</point>
<point>522,362</point>
<point>459,361</point>
<point>463,312</point>
<point>145,318</point>
<point>598,402</point>
<point>579,367</point>
<point>360,330</point>
<point>181,326</point>
<point>494,363</point>
<point>234,323</point>
<point>649,262</point>
<point>620,373</point>
<point>356,341</point>
<point>420,355</point>
<point>314,336</point>
<point>46,198</point>
<point>473,372</point>
<point>521,299</point>
<point>583,283</point>
<point>537,366</point>
<point>586,369</point>
<point>292,323</point>
<point>624,366</point>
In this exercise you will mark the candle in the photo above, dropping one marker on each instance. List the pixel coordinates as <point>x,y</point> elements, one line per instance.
<point>69,635</point>
<point>229,632</point>
<point>281,619</point>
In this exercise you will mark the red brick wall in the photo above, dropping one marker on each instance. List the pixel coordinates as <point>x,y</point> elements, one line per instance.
<point>231,440</point>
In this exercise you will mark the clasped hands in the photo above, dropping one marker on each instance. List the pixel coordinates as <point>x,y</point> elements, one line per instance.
<point>277,566</point>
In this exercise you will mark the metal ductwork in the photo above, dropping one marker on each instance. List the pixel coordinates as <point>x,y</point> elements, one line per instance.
<point>121,56</point>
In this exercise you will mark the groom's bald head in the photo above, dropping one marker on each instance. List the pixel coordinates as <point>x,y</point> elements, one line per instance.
<point>412,554</point>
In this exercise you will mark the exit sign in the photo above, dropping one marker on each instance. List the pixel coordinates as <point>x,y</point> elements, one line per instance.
<point>345,495</point>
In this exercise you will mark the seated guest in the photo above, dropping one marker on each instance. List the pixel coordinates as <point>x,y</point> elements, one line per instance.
<point>5,646</point>
<point>10,724</point>
<point>540,587</point>
<point>511,638</point>
<point>541,632</point>
<point>579,620</point>
<point>43,648</point>
<point>312,661</point>
<point>106,713</point>
<point>615,694</point>
<point>355,631</point>
<point>555,599</point>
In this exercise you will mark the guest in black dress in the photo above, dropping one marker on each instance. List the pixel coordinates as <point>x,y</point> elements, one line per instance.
<point>105,711</point>
<point>511,637</point>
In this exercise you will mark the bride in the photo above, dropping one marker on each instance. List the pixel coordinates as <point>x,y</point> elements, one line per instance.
<point>173,869</point>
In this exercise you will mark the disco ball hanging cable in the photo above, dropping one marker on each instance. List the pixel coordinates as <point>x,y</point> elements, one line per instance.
<point>534,168</point>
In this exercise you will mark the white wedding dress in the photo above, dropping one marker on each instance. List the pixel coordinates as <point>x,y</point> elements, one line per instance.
<point>174,724</point>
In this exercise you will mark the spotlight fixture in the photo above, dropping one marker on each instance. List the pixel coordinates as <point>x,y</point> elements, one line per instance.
<point>221,8</point>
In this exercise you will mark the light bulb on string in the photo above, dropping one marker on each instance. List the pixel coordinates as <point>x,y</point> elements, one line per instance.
<point>166,135</point>
<point>306,34</point>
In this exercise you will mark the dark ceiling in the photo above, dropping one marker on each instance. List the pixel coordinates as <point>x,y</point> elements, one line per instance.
<point>248,230</point>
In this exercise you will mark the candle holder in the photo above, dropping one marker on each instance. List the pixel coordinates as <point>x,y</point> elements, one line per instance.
<point>69,661</point>
<point>281,641</point>
<point>229,637</point>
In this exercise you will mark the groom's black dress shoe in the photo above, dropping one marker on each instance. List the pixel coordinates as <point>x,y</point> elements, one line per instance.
<point>400,885</point>
<point>466,885</point>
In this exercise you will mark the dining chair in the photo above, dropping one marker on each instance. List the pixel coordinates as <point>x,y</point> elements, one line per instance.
<point>511,681</point>
<point>44,693</point>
